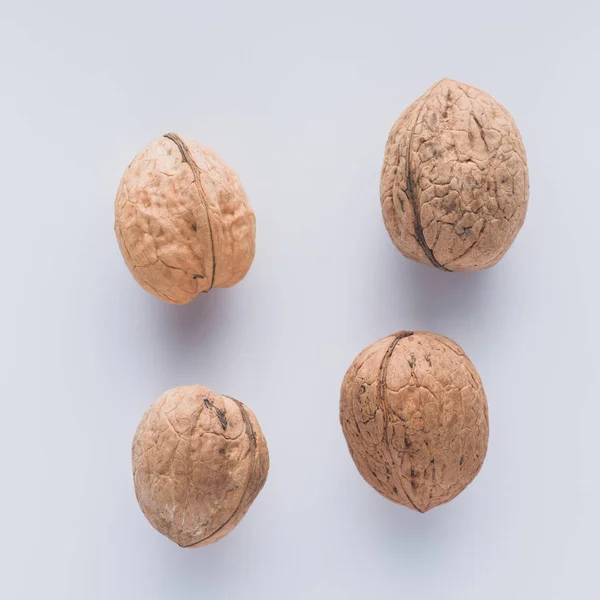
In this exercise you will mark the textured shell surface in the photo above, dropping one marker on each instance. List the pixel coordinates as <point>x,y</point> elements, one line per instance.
<point>199,461</point>
<point>182,220</point>
<point>414,415</point>
<point>454,184</point>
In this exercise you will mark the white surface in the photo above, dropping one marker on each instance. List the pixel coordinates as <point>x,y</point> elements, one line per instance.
<point>299,98</point>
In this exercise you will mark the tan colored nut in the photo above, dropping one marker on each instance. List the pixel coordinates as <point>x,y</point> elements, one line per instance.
<point>415,418</point>
<point>454,184</point>
<point>182,219</point>
<point>199,461</point>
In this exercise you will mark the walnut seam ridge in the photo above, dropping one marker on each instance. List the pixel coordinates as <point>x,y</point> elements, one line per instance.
<point>187,157</point>
<point>410,192</point>
<point>381,397</point>
<point>253,446</point>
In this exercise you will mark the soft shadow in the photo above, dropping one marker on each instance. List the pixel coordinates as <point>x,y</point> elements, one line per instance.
<point>188,341</point>
<point>420,541</point>
<point>391,533</point>
<point>202,319</point>
<point>206,569</point>
<point>203,315</point>
<point>400,528</point>
<point>438,299</point>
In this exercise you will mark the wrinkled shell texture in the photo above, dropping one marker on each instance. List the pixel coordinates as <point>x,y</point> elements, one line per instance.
<point>182,220</point>
<point>454,184</point>
<point>415,418</point>
<point>199,461</point>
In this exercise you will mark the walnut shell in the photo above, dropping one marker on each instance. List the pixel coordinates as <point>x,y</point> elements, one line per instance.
<point>182,220</point>
<point>415,418</point>
<point>199,461</point>
<point>454,184</point>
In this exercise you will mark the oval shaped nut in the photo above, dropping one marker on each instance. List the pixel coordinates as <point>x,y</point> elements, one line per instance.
<point>454,183</point>
<point>199,461</point>
<point>415,417</point>
<point>182,220</point>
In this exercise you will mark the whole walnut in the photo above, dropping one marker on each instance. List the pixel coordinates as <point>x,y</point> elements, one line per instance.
<point>182,220</point>
<point>415,418</point>
<point>454,183</point>
<point>199,461</point>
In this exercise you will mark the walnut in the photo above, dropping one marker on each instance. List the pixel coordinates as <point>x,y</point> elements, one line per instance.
<point>183,221</point>
<point>454,184</point>
<point>199,461</point>
<point>415,418</point>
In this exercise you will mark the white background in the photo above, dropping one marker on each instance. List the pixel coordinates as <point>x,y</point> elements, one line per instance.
<point>299,99</point>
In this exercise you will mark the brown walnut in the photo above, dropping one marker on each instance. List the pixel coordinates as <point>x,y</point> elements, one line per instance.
<point>415,418</point>
<point>182,220</point>
<point>199,461</point>
<point>454,183</point>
